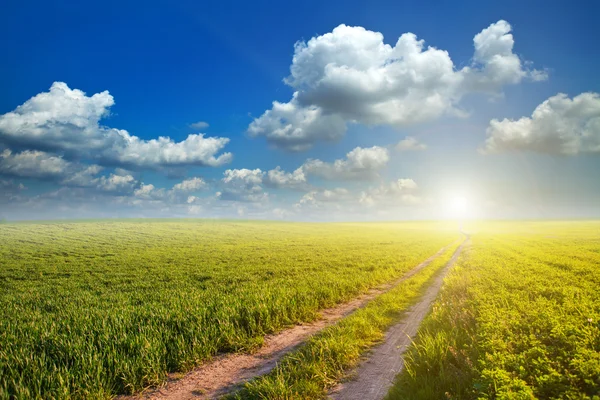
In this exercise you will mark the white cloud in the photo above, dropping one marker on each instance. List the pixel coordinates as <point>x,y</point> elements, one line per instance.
<point>244,175</point>
<point>398,192</point>
<point>82,178</point>
<point>360,164</point>
<point>294,127</point>
<point>117,183</point>
<point>495,64</point>
<point>325,198</point>
<point>351,75</point>
<point>68,121</point>
<point>162,152</point>
<point>190,185</point>
<point>278,178</point>
<point>199,125</point>
<point>342,203</point>
<point>242,185</point>
<point>178,194</point>
<point>146,191</point>
<point>410,143</point>
<point>559,125</point>
<point>33,164</point>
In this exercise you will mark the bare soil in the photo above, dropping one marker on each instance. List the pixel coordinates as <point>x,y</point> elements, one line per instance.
<point>375,376</point>
<point>227,372</point>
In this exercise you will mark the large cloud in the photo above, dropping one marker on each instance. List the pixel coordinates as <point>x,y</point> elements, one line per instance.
<point>66,120</point>
<point>559,125</point>
<point>360,164</point>
<point>351,75</point>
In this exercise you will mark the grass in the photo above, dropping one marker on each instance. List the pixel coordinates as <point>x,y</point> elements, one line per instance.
<point>310,371</point>
<point>519,318</point>
<point>98,308</point>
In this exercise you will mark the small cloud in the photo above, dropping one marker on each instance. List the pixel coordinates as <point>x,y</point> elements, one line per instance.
<point>199,125</point>
<point>410,143</point>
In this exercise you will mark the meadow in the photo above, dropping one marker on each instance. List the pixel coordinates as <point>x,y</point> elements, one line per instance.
<point>98,308</point>
<point>518,318</point>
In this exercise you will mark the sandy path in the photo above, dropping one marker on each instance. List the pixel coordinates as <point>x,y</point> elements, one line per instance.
<point>226,372</point>
<point>375,376</point>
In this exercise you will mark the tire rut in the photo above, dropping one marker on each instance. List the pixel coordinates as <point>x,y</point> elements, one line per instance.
<point>225,373</point>
<point>375,375</point>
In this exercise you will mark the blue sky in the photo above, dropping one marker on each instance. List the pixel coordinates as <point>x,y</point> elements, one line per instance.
<point>168,66</point>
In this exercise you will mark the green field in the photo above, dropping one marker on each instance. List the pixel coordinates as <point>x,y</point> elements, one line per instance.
<point>99,308</point>
<point>93,309</point>
<point>519,318</point>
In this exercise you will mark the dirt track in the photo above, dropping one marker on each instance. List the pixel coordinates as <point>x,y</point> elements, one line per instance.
<point>226,372</point>
<point>376,374</point>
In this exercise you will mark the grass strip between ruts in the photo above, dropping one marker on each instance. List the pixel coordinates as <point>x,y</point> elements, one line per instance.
<point>326,358</point>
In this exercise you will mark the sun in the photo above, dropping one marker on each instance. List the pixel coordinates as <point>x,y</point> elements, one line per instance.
<point>458,206</point>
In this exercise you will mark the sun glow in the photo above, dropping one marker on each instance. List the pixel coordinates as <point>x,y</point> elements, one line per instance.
<point>459,206</point>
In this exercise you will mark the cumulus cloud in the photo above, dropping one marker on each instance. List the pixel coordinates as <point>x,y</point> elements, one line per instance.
<point>68,121</point>
<point>495,64</point>
<point>243,185</point>
<point>41,165</point>
<point>351,75</point>
<point>359,164</point>
<point>410,143</point>
<point>117,183</point>
<point>178,194</point>
<point>295,127</point>
<point>278,178</point>
<point>559,125</point>
<point>32,164</point>
<point>190,185</point>
<point>199,125</point>
<point>326,195</point>
<point>86,176</point>
<point>399,192</point>
<point>341,203</point>
<point>148,192</point>
<point>324,199</point>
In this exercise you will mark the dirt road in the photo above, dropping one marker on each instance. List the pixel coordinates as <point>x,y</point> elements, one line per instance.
<point>376,374</point>
<point>226,372</point>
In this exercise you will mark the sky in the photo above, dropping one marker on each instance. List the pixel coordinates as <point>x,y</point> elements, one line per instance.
<point>317,111</point>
